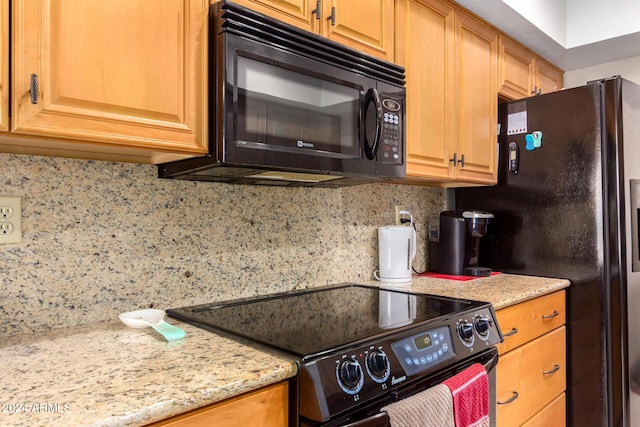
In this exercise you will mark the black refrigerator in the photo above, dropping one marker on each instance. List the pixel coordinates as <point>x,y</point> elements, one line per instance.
<point>565,206</point>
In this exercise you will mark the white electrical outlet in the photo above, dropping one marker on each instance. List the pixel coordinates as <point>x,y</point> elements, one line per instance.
<point>10,220</point>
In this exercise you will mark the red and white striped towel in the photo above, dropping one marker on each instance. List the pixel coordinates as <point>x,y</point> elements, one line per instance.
<point>470,391</point>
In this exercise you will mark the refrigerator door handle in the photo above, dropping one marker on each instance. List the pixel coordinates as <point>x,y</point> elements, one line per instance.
<point>634,189</point>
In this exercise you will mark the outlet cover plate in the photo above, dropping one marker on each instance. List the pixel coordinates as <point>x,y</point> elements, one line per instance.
<point>11,219</point>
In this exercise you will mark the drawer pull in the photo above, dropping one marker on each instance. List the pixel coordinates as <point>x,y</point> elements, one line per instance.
<point>513,331</point>
<point>554,370</point>
<point>552,315</point>
<point>509,400</point>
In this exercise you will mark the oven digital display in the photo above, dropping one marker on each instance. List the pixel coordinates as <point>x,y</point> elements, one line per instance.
<point>423,341</point>
<point>422,351</point>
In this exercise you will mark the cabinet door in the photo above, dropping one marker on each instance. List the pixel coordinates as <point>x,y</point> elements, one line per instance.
<point>121,73</point>
<point>476,77</point>
<point>553,415</point>
<point>530,377</point>
<point>299,13</point>
<point>266,407</point>
<point>4,65</point>
<point>365,25</point>
<point>548,78</point>
<point>429,75</point>
<point>516,69</point>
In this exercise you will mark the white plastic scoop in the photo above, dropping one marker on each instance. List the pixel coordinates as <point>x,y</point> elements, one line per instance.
<point>152,317</point>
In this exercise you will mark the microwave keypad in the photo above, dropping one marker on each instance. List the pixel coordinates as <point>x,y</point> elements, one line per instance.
<point>391,137</point>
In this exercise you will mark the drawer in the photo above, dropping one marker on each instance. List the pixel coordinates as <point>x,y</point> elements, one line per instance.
<point>526,321</point>
<point>552,415</point>
<point>530,377</point>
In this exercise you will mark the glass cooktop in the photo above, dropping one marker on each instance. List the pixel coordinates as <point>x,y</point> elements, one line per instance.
<point>322,319</point>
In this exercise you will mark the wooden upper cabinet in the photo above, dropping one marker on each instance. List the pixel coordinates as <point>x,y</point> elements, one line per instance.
<point>476,71</point>
<point>429,74</point>
<point>121,73</point>
<point>299,13</point>
<point>548,77</point>
<point>522,73</point>
<point>365,25</point>
<point>515,70</point>
<point>4,65</point>
<point>451,73</point>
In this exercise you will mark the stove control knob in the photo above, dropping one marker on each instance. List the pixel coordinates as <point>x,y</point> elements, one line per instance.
<point>482,325</point>
<point>378,366</point>
<point>350,377</point>
<point>465,332</point>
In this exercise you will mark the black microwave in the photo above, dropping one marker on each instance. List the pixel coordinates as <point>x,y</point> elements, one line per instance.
<point>288,107</point>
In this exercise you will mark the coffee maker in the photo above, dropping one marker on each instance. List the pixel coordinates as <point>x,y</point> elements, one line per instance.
<point>454,243</point>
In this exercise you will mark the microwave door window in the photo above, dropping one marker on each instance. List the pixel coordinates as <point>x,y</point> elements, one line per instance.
<point>282,110</point>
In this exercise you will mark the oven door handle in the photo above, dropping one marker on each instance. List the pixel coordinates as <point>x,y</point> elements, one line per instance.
<point>377,420</point>
<point>490,364</point>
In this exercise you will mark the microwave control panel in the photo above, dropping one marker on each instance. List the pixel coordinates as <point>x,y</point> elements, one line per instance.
<point>392,131</point>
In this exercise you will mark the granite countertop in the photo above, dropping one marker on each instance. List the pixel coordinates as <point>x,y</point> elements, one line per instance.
<point>501,290</point>
<point>106,374</point>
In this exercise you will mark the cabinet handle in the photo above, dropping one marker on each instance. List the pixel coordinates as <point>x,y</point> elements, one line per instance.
<point>317,10</point>
<point>333,16</point>
<point>513,331</point>
<point>509,400</point>
<point>554,370</point>
<point>552,315</point>
<point>454,159</point>
<point>33,88</point>
<point>462,161</point>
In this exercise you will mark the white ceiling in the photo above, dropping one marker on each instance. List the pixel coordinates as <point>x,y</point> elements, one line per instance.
<point>572,34</point>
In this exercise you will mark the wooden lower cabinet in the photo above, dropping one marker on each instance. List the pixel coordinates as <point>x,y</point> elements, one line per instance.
<point>531,371</point>
<point>529,377</point>
<point>266,407</point>
<point>523,322</point>
<point>553,415</point>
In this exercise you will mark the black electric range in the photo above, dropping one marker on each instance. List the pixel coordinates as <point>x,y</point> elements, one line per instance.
<point>354,343</point>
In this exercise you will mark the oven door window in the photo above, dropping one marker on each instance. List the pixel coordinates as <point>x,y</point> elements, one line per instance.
<point>283,110</point>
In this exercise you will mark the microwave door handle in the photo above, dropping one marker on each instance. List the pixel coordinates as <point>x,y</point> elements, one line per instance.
<point>370,149</point>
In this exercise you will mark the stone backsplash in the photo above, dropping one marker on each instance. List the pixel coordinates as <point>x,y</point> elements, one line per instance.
<point>100,238</point>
